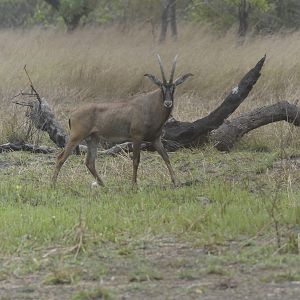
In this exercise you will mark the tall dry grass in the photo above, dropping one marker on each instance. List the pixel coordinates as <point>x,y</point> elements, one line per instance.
<point>107,65</point>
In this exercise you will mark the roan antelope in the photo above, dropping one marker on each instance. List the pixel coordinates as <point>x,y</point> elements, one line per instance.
<point>140,120</point>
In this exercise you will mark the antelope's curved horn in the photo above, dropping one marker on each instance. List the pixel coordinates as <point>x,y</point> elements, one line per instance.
<point>161,69</point>
<point>173,69</point>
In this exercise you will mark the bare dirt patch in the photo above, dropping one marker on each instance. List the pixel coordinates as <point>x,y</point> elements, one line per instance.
<point>157,269</point>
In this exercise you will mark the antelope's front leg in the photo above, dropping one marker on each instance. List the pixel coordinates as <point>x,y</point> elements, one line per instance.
<point>157,144</point>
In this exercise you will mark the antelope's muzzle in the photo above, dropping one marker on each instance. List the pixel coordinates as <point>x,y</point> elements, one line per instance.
<point>168,103</point>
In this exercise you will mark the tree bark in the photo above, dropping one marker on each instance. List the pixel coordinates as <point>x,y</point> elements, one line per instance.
<point>21,146</point>
<point>225,137</point>
<point>178,134</point>
<point>43,119</point>
<point>212,128</point>
<point>230,132</point>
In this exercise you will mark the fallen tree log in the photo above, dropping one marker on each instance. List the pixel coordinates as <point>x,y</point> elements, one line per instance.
<point>21,146</point>
<point>178,134</point>
<point>224,137</point>
<point>42,117</point>
<point>213,128</point>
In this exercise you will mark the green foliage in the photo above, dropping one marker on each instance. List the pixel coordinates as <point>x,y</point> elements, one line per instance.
<point>16,12</point>
<point>223,14</point>
<point>281,14</point>
<point>217,12</point>
<point>70,8</point>
<point>44,15</point>
<point>120,11</point>
<point>95,294</point>
<point>265,15</point>
<point>260,4</point>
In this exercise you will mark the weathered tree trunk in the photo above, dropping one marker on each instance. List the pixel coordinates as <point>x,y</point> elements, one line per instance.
<point>176,134</point>
<point>212,128</point>
<point>21,146</point>
<point>225,137</point>
<point>43,119</point>
<point>190,134</point>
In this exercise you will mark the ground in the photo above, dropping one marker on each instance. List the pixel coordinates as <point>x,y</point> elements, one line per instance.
<point>214,237</point>
<point>158,269</point>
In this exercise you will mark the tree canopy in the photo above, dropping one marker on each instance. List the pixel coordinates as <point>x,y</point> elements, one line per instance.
<point>261,15</point>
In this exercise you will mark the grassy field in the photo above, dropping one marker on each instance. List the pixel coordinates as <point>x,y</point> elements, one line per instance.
<point>230,231</point>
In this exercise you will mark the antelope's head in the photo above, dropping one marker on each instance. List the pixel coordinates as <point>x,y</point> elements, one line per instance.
<point>168,87</point>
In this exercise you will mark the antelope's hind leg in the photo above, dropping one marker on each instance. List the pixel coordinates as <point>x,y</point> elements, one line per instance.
<point>136,161</point>
<point>92,145</point>
<point>63,156</point>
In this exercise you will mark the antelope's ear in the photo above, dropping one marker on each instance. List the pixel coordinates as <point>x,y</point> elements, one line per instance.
<point>154,79</point>
<point>182,78</point>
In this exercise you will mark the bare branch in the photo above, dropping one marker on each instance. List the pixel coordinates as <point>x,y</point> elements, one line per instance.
<point>32,87</point>
<point>21,146</point>
<point>23,103</point>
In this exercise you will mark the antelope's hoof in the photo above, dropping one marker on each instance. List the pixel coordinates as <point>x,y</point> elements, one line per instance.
<point>94,184</point>
<point>177,184</point>
<point>134,187</point>
<point>53,184</point>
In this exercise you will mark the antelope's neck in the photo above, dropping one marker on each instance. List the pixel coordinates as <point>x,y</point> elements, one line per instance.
<point>164,112</point>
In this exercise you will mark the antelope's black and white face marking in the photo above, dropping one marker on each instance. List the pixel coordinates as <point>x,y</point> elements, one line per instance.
<point>168,94</point>
<point>168,87</point>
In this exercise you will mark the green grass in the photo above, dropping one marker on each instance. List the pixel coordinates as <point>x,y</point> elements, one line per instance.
<point>74,234</point>
<point>44,215</point>
<point>98,293</point>
<point>282,277</point>
<point>32,213</point>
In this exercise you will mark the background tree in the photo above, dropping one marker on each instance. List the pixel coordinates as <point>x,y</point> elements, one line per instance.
<point>168,16</point>
<point>72,10</point>
<point>16,13</point>
<point>244,8</point>
<point>288,13</point>
<point>263,16</point>
<point>225,13</point>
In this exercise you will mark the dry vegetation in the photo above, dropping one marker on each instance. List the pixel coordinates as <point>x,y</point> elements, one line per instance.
<point>231,229</point>
<point>108,65</point>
